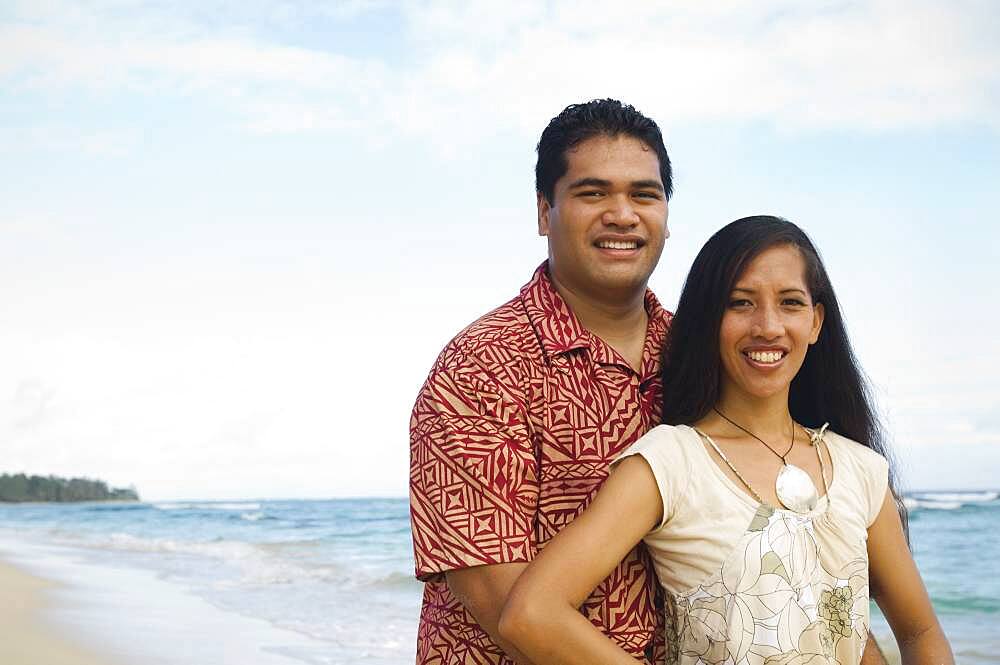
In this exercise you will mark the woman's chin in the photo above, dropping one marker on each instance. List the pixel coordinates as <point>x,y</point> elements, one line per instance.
<point>759,391</point>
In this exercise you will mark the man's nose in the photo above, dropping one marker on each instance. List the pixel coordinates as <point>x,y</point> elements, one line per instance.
<point>620,212</point>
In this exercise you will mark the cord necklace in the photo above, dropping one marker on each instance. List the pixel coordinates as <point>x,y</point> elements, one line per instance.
<point>793,486</point>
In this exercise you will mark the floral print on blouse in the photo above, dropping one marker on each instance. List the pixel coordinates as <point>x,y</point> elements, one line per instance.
<point>773,602</point>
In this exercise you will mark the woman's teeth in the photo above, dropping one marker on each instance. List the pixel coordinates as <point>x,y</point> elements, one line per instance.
<point>766,356</point>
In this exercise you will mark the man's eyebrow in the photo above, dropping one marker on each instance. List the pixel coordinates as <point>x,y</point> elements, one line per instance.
<point>647,184</point>
<point>600,182</point>
<point>589,182</point>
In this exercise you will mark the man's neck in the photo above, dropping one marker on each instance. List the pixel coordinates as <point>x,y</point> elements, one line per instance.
<point>620,321</point>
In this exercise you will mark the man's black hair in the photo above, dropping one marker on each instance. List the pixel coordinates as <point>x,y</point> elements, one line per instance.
<point>598,117</point>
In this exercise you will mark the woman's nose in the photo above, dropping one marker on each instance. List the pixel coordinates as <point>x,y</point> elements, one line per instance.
<point>767,324</point>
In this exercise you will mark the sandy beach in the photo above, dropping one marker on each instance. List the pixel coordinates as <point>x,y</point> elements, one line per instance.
<point>72,606</point>
<point>26,637</point>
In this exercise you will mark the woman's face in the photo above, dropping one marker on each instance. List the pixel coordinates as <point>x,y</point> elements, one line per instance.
<point>768,325</point>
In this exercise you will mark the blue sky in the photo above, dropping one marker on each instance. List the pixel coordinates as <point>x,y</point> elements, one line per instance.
<point>234,236</point>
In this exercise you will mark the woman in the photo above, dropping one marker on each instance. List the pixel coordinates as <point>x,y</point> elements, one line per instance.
<point>765,499</point>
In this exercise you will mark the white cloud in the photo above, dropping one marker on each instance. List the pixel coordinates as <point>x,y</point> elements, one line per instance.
<point>188,367</point>
<point>873,66</point>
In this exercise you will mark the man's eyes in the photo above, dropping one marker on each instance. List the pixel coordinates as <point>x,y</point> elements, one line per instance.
<point>596,193</point>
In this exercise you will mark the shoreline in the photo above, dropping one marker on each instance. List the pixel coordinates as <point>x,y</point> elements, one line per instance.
<point>66,608</point>
<point>27,636</point>
<point>299,582</point>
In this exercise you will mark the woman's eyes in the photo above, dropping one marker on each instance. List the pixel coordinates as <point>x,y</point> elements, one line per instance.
<point>738,303</point>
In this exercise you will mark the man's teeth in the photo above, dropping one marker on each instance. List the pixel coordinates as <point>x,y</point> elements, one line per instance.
<point>765,356</point>
<point>618,244</point>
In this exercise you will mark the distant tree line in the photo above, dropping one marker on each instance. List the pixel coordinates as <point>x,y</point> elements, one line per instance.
<point>19,487</point>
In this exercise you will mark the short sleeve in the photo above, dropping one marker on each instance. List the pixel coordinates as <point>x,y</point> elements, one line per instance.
<point>876,482</point>
<point>655,447</point>
<point>473,473</point>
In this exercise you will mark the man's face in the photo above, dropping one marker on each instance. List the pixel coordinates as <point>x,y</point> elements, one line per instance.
<point>608,221</point>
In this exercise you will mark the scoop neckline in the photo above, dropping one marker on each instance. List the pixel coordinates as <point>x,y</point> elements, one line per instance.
<point>743,495</point>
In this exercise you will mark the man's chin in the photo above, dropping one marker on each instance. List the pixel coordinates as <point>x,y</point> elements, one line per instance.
<point>603,281</point>
<point>623,276</point>
<point>624,284</point>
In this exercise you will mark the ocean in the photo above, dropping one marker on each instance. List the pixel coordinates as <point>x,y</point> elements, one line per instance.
<point>328,582</point>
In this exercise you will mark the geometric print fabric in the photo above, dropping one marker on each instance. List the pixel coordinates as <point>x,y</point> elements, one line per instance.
<point>510,438</point>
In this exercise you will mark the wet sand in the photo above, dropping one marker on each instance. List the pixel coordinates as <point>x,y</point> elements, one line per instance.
<point>26,637</point>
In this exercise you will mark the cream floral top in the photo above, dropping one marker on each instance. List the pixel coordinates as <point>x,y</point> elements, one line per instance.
<point>749,584</point>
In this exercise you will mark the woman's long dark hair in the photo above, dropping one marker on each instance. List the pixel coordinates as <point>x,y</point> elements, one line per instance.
<point>830,386</point>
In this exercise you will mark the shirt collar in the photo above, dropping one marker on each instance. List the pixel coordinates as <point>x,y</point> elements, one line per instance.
<point>558,329</point>
<point>560,332</point>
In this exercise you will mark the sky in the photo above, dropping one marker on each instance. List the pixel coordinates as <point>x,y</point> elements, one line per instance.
<point>235,235</point>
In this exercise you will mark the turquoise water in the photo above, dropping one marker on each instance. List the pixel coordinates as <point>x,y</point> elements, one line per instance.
<point>955,537</point>
<point>340,571</point>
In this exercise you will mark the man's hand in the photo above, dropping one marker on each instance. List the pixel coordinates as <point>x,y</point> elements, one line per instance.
<point>483,590</point>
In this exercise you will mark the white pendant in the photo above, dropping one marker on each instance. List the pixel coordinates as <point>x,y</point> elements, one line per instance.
<point>795,489</point>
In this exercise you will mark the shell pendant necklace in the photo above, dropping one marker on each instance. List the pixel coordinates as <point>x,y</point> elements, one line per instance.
<point>793,486</point>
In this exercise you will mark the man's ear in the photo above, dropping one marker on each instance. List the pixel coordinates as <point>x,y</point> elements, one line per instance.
<point>544,210</point>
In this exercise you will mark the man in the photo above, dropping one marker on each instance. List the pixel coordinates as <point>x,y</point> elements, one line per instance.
<point>513,432</point>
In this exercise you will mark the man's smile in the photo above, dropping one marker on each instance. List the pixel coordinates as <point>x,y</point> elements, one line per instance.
<point>619,243</point>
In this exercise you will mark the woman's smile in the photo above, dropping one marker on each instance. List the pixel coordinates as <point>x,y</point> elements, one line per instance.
<point>766,358</point>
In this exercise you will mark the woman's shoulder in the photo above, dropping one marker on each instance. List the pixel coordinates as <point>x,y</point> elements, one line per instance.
<point>667,448</point>
<point>666,438</point>
<point>850,446</point>
<point>854,450</point>
<point>861,475</point>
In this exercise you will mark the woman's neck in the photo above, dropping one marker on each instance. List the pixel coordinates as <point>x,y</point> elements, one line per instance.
<point>766,417</point>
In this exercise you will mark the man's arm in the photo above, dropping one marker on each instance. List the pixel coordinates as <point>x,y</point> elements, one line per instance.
<point>473,488</point>
<point>484,590</point>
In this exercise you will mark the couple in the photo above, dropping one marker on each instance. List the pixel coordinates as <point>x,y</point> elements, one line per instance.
<point>747,514</point>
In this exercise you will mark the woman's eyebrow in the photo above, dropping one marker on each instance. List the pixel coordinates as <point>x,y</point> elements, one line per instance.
<point>743,289</point>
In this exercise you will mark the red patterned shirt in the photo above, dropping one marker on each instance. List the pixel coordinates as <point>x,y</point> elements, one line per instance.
<point>510,438</point>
